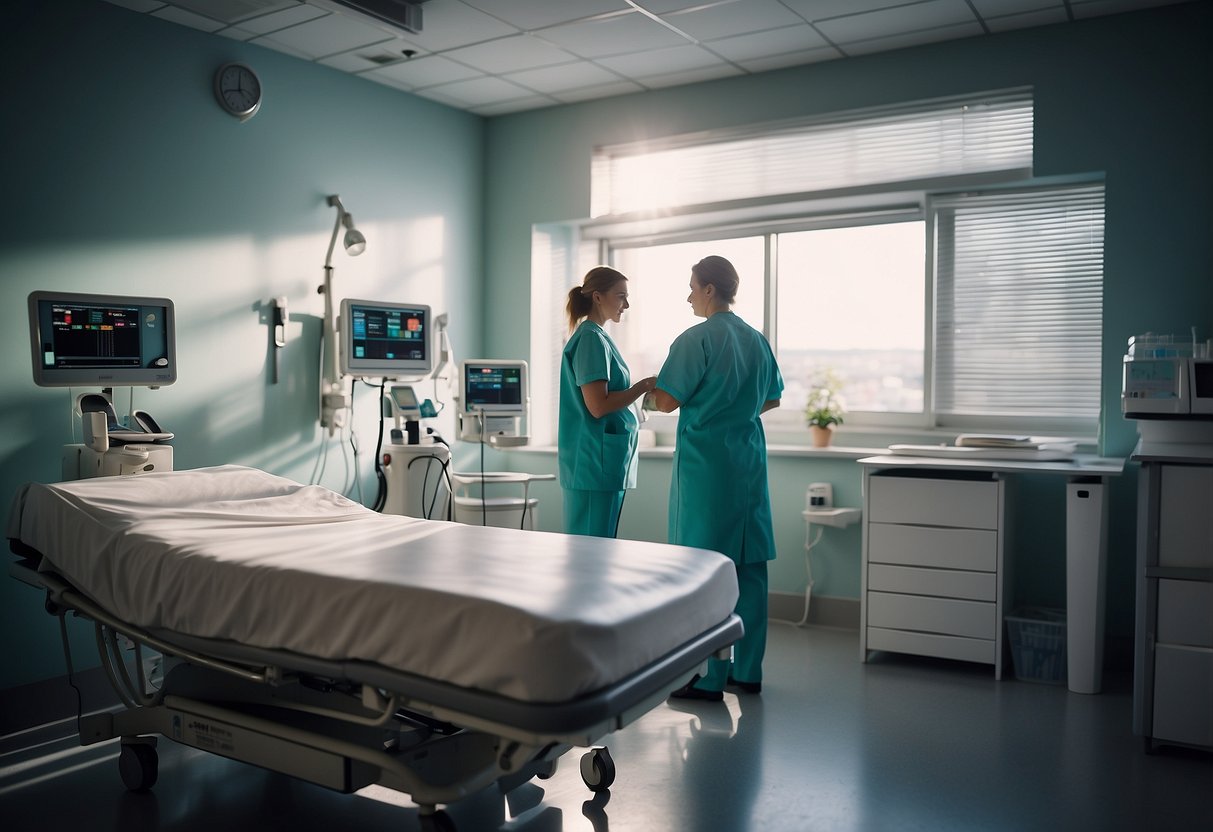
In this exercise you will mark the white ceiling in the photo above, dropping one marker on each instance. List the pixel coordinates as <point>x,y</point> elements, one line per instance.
<point>502,56</point>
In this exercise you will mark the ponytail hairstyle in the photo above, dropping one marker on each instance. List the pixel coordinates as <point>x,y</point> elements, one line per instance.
<point>716,271</point>
<point>581,298</point>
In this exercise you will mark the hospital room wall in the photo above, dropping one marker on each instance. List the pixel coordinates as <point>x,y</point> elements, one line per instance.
<point>123,176</point>
<point>1125,95</point>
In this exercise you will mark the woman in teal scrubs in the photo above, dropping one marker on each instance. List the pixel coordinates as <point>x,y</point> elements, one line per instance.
<point>597,432</point>
<point>721,376</point>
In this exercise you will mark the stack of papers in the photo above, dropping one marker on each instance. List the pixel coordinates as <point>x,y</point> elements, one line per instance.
<point>996,446</point>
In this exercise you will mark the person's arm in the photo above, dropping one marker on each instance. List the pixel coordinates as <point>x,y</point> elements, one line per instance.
<point>600,401</point>
<point>770,404</point>
<point>664,402</point>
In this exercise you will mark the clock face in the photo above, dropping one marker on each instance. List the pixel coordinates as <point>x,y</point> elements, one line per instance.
<point>238,90</point>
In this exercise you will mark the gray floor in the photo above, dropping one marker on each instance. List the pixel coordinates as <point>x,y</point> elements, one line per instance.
<point>832,744</point>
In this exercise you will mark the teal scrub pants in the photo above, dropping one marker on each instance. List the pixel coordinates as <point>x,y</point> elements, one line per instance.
<point>593,513</point>
<point>746,665</point>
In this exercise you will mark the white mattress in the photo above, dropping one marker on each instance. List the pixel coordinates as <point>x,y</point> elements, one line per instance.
<point>236,553</point>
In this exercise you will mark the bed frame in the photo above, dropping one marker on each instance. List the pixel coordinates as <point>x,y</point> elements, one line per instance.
<point>347,725</point>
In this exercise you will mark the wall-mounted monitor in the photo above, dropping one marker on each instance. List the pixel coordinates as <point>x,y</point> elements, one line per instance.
<point>79,340</point>
<point>383,339</point>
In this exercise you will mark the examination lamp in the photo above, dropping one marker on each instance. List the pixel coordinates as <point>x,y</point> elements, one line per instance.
<point>333,399</point>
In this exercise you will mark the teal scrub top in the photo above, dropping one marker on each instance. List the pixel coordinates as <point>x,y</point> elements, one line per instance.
<point>722,371</point>
<point>594,454</point>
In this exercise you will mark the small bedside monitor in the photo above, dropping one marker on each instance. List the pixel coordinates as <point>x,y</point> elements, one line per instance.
<point>381,339</point>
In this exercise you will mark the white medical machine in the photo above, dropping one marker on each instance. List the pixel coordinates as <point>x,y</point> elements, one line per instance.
<point>106,341</point>
<point>1167,375</point>
<point>494,402</point>
<point>416,466</point>
<point>403,342</point>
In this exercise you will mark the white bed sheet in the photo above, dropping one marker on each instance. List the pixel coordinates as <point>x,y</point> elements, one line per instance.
<point>236,553</point>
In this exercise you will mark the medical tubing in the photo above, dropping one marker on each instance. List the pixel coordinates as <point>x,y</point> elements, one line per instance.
<point>381,495</point>
<point>71,673</point>
<point>484,503</point>
<point>107,665</point>
<point>808,563</point>
<point>138,694</point>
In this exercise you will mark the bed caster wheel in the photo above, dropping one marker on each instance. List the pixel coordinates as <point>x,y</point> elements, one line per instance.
<point>547,771</point>
<point>437,822</point>
<point>597,769</point>
<point>138,766</point>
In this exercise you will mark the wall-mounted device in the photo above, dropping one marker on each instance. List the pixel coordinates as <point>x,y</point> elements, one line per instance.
<point>380,339</point>
<point>80,340</point>
<point>494,398</point>
<point>1164,377</point>
<point>819,495</point>
<point>279,316</point>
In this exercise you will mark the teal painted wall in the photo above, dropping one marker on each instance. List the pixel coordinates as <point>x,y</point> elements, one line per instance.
<point>1126,95</point>
<point>122,175</point>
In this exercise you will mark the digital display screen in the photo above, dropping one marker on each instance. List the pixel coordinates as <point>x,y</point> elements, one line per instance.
<point>101,340</point>
<point>388,333</point>
<point>493,385</point>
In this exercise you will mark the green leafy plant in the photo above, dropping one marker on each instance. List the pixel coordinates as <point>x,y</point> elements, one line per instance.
<point>825,407</point>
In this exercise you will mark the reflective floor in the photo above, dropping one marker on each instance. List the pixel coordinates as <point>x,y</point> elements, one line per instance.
<point>832,744</point>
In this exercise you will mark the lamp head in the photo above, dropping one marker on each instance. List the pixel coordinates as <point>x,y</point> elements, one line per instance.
<point>355,243</point>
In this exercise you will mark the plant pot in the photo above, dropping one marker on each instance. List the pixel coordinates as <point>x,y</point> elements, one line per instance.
<point>820,436</point>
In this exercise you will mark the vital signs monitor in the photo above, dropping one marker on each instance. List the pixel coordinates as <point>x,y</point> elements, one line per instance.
<point>79,340</point>
<point>383,339</point>
<point>494,397</point>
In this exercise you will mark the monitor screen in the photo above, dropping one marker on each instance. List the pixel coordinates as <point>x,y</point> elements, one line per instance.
<point>496,387</point>
<point>383,339</point>
<point>79,340</point>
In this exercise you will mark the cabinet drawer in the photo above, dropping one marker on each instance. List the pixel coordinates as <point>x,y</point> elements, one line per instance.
<point>972,549</point>
<point>966,504</point>
<point>1185,612</point>
<point>946,616</point>
<point>947,583</point>
<point>1183,694</point>
<point>1185,528</point>
<point>929,644</point>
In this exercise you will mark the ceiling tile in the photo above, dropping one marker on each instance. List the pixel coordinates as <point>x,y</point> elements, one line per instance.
<point>510,54</point>
<point>1095,8</point>
<point>194,21</point>
<point>815,10</point>
<point>518,105</point>
<point>369,57</point>
<point>537,14</point>
<point>764,44</point>
<point>612,36</point>
<point>597,91</point>
<point>327,35</point>
<point>999,8</point>
<point>661,61</point>
<point>564,77</point>
<point>897,21</point>
<point>962,30</point>
<point>1043,17</point>
<point>665,6</point>
<point>691,76</point>
<point>807,56</point>
<point>447,24</point>
<point>476,91</point>
<point>732,19</point>
<point>425,72</point>
<point>142,6</point>
<point>280,20</point>
<point>236,34</point>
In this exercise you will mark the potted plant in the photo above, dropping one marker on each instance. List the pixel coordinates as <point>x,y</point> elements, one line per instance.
<point>824,407</point>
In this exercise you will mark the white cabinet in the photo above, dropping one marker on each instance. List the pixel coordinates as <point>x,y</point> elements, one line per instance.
<point>933,573</point>
<point>1173,673</point>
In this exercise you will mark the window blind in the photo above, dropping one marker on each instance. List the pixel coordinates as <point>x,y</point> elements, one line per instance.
<point>841,150</point>
<point>1019,302</point>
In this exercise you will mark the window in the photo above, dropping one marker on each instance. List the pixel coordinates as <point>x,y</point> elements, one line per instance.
<point>918,262</point>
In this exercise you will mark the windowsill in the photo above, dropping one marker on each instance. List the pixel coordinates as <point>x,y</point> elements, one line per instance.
<point>794,451</point>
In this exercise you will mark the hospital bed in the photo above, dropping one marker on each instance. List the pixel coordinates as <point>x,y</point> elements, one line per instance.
<point>304,633</point>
